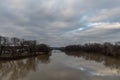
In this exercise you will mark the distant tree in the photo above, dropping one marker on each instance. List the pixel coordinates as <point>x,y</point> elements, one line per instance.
<point>1,40</point>
<point>15,41</point>
<point>43,48</point>
<point>1,48</point>
<point>117,43</point>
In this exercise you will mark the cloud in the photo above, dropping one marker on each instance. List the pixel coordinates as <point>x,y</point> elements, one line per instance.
<point>98,32</point>
<point>61,22</point>
<point>108,15</point>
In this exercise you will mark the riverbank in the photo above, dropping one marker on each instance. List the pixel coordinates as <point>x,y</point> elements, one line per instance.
<point>106,48</point>
<point>22,56</point>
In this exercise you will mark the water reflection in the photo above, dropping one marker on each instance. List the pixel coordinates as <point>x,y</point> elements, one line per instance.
<point>13,70</point>
<point>61,66</point>
<point>110,62</point>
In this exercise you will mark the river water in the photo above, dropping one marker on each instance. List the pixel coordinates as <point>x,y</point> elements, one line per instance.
<point>62,66</point>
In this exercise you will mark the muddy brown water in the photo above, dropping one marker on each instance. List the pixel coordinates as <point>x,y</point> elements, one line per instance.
<point>62,66</point>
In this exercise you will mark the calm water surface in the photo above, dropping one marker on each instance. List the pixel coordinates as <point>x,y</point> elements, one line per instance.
<point>62,66</point>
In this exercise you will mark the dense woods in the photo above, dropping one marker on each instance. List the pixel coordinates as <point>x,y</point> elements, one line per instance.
<point>105,48</point>
<point>15,46</point>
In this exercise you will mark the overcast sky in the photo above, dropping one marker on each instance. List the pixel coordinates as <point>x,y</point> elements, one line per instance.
<point>61,22</point>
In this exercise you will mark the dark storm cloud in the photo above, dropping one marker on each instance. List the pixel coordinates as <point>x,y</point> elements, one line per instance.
<point>61,22</point>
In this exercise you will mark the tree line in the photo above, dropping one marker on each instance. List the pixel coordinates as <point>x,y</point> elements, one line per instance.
<point>106,48</point>
<point>17,46</point>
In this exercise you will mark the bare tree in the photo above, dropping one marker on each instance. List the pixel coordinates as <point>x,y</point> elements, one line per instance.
<point>15,41</point>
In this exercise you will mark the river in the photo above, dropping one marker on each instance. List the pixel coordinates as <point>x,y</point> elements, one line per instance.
<point>62,66</point>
